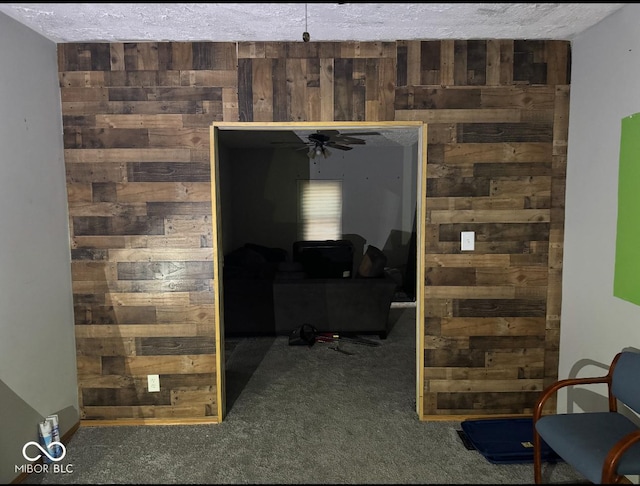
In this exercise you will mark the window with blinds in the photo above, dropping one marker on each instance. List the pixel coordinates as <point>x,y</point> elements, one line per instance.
<point>319,210</point>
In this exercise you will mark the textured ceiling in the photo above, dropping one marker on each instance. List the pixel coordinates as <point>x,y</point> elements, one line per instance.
<point>219,22</point>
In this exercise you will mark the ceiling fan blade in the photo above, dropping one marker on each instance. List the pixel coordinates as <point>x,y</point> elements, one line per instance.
<point>361,133</point>
<point>350,140</point>
<point>338,146</point>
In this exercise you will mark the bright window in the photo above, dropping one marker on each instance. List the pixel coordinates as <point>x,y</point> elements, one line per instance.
<point>320,209</point>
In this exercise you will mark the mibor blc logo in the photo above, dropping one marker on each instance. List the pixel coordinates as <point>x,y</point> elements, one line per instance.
<point>44,451</point>
<point>30,454</point>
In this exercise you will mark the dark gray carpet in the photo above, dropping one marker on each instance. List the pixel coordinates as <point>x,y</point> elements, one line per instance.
<point>297,415</point>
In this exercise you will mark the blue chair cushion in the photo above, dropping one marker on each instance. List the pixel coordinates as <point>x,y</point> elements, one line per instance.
<point>584,439</point>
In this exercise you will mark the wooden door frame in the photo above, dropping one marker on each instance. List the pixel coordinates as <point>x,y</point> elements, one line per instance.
<point>421,184</point>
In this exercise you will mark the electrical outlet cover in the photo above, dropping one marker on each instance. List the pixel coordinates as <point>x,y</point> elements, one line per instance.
<point>153,382</point>
<point>467,240</point>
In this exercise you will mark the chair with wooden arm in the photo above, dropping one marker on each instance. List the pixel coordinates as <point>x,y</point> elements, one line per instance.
<point>603,446</point>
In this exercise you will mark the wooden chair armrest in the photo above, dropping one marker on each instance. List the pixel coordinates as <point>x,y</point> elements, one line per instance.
<point>609,474</point>
<point>550,390</point>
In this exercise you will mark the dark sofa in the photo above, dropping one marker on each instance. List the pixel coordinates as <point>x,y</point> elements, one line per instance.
<point>336,305</point>
<point>331,297</point>
<point>265,294</point>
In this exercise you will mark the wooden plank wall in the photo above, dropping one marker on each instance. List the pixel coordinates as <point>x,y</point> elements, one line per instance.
<point>136,118</point>
<point>497,113</point>
<point>136,123</point>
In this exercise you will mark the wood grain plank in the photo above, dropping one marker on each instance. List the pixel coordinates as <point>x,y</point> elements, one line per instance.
<point>165,346</point>
<point>138,121</point>
<point>106,347</point>
<point>74,94</point>
<point>445,373</point>
<point>490,386</point>
<point>430,52</point>
<point>499,307</point>
<point>262,90</point>
<point>118,156</point>
<point>88,365</point>
<point>557,57</point>
<point>500,152</point>
<point>414,60</point>
<point>230,105</point>
<point>86,288</point>
<point>461,61</point>
<point>82,270</point>
<point>493,62</point>
<point>506,62</point>
<point>160,254</point>
<point>386,89</point>
<point>467,260</point>
<point>190,395</point>
<point>486,216</point>
<point>107,331</point>
<point>447,62</point>
<point>106,209</point>
<point>297,92</point>
<point>202,314</point>
<point>164,191</point>
<point>516,276</point>
<point>326,89</point>
<point>492,326</point>
<point>479,115</point>
<point>343,89</point>
<point>470,292</point>
<point>147,411</point>
<point>147,299</point>
<point>144,365</point>
<point>98,242</point>
<point>100,312</point>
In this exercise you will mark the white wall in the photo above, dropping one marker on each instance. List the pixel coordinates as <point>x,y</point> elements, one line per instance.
<point>37,347</point>
<point>605,88</point>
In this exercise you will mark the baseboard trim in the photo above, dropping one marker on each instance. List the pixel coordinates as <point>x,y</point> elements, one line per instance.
<point>149,421</point>
<point>64,439</point>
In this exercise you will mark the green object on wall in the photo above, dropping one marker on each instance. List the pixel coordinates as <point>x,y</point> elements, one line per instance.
<point>626,282</point>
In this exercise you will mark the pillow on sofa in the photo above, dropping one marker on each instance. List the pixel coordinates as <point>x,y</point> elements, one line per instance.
<point>253,261</point>
<point>269,254</point>
<point>373,263</point>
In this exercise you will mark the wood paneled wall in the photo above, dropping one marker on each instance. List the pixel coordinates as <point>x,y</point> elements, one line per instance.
<point>497,113</point>
<point>136,119</point>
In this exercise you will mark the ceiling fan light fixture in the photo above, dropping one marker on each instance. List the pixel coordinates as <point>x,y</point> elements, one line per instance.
<point>317,150</point>
<point>318,143</point>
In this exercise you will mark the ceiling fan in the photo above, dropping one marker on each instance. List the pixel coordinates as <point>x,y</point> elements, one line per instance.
<point>318,143</point>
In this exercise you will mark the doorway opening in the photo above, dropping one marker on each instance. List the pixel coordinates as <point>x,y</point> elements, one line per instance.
<point>258,170</point>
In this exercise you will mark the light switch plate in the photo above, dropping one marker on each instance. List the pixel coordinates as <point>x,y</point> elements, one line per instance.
<point>467,240</point>
<point>153,382</point>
